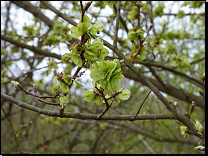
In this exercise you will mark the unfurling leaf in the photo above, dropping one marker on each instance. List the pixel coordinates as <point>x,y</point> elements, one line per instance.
<point>63,100</point>
<point>64,87</point>
<point>15,83</point>
<point>78,84</point>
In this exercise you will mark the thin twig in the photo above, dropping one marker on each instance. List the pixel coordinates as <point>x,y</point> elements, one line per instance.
<point>132,119</point>
<point>102,95</point>
<point>106,109</point>
<point>19,86</point>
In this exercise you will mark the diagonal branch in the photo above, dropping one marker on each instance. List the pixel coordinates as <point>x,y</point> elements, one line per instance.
<point>172,90</point>
<point>50,7</point>
<point>36,12</point>
<point>182,118</point>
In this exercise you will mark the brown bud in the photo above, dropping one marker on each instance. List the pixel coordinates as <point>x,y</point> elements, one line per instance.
<point>87,6</point>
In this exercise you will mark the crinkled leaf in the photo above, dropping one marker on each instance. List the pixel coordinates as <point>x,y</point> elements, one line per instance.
<point>125,95</point>
<point>81,27</point>
<point>63,100</point>
<point>115,84</point>
<point>77,60</point>
<point>104,53</point>
<point>64,87</point>
<point>88,95</point>
<point>96,72</point>
<point>95,28</point>
<point>75,32</point>
<point>66,79</point>
<point>111,71</point>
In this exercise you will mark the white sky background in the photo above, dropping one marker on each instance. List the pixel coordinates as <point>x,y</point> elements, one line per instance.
<point>20,16</point>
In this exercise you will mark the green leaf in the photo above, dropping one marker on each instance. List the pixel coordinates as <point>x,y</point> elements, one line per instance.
<point>125,95</point>
<point>116,101</point>
<point>95,28</point>
<point>96,72</point>
<point>88,95</point>
<point>131,35</point>
<point>143,55</point>
<point>78,84</point>
<point>81,27</point>
<point>86,20</point>
<point>55,81</point>
<point>66,79</point>
<point>64,87</point>
<point>63,100</point>
<point>181,14</point>
<point>74,50</point>
<point>15,83</point>
<point>77,60</point>
<point>104,53</point>
<point>75,32</point>
<point>198,126</point>
<point>183,129</point>
<point>114,85</point>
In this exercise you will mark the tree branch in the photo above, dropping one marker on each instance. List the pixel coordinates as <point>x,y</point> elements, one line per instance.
<point>32,48</point>
<point>36,12</point>
<point>50,7</point>
<point>172,91</point>
<point>186,77</point>
<point>83,115</point>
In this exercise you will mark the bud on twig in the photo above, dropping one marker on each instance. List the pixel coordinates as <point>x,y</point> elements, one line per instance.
<point>192,108</point>
<point>87,6</point>
<point>34,89</point>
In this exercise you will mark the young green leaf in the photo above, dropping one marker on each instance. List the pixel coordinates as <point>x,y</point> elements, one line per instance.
<point>81,27</point>
<point>63,100</point>
<point>15,83</point>
<point>64,87</point>
<point>95,28</point>
<point>183,129</point>
<point>125,95</point>
<point>198,126</point>
<point>78,84</point>
<point>75,32</point>
<point>88,95</point>
<point>86,20</point>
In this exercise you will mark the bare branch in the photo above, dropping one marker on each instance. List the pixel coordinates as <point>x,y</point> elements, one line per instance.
<point>172,90</point>
<point>59,13</point>
<point>32,48</point>
<point>83,115</point>
<point>30,8</point>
